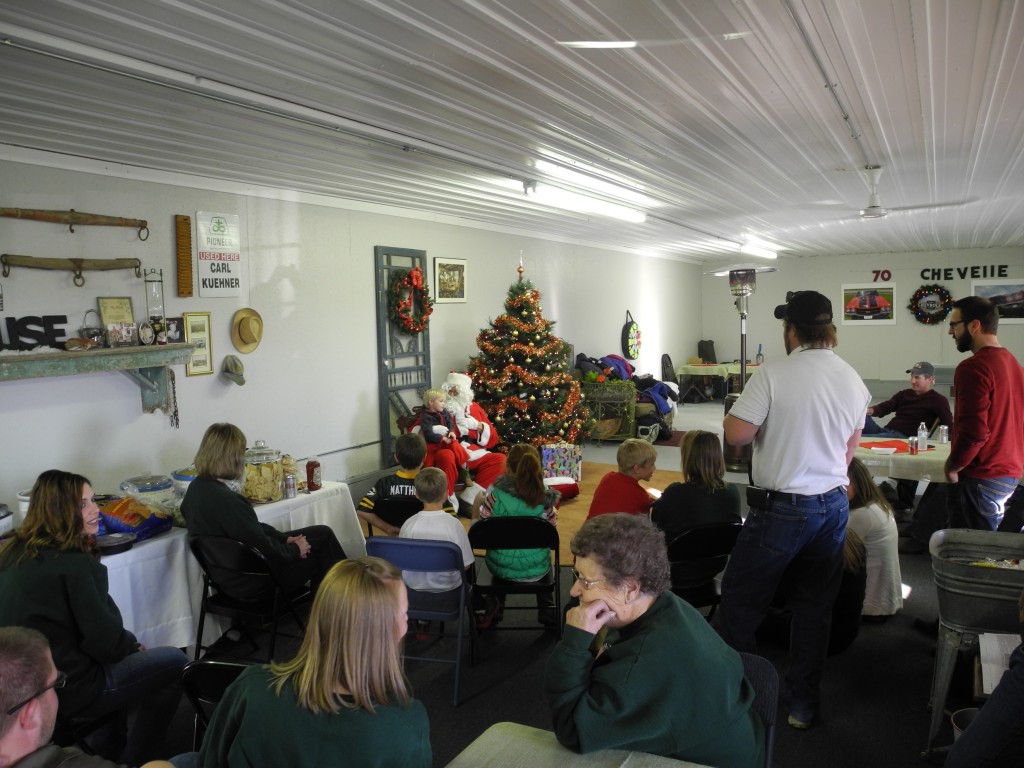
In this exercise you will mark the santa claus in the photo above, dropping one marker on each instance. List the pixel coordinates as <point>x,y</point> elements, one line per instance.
<point>476,433</point>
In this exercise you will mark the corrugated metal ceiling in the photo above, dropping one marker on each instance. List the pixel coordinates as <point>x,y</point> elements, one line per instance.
<point>719,118</point>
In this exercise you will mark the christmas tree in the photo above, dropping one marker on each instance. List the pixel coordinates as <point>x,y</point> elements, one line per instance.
<point>520,376</point>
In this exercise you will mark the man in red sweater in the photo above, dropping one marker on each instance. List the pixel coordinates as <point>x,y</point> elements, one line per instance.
<point>987,453</point>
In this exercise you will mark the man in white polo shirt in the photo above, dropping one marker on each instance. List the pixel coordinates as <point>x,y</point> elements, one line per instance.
<point>804,415</point>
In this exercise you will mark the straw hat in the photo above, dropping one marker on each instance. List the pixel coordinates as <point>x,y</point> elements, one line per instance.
<point>246,330</point>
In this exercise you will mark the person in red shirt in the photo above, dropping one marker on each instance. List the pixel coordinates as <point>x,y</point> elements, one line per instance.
<point>621,491</point>
<point>986,455</point>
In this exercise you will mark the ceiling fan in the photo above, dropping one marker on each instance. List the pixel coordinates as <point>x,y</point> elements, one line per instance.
<point>874,208</point>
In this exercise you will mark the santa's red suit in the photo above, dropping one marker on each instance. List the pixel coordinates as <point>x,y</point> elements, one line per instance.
<point>476,434</point>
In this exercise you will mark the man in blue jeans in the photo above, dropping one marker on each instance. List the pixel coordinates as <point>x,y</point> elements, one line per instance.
<point>804,416</point>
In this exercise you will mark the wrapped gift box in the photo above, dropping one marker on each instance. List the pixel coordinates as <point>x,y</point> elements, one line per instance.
<point>562,460</point>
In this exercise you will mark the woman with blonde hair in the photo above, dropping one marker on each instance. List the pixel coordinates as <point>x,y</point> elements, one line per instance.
<point>871,518</point>
<point>52,580</point>
<point>344,697</point>
<point>703,497</point>
<point>214,506</point>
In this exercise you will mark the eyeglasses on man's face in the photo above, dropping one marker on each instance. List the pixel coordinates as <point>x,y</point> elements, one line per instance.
<point>954,323</point>
<point>587,583</point>
<point>56,685</point>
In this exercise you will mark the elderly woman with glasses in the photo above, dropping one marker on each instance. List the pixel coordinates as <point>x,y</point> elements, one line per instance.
<point>638,668</point>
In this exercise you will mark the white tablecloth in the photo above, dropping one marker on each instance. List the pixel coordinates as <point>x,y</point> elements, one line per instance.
<point>925,465</point>
<point>157,584</point>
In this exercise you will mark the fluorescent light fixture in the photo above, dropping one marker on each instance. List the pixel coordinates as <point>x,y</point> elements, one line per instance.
<point>591,181</point>
<point>756,250</point>
<point>598,43</point>
<point>572,201</point>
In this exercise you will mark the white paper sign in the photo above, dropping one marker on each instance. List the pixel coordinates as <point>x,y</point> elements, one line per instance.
<point>219,261</point>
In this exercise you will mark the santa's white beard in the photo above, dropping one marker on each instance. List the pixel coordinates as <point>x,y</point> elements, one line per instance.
<point>458,405</point>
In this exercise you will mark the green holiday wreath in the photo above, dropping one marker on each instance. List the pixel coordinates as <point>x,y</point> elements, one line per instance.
<point>409,304</point>
<point>930,304</point>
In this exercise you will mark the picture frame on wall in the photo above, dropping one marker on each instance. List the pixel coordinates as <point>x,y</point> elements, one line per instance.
<point>197,332</point>
<point>869,304</point>
<point>1007,293</point>
<point>449,281</point>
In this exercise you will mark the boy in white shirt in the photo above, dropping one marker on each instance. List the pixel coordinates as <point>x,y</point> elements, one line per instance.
<point>435,524</point>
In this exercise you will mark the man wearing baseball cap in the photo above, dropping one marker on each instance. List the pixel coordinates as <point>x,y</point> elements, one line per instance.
<point>804,416</point>
<point>911,406</point>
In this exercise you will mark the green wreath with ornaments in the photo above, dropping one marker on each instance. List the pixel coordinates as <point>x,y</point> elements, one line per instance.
<point>409,304</point>
<point>930,304</point>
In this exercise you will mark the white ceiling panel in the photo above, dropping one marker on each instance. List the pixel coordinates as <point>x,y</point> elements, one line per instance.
<point>749,118</point>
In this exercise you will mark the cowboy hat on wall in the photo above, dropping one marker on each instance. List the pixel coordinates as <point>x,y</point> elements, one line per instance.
<point>246,330</point>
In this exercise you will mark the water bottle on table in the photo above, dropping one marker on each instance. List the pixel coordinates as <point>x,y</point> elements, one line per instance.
<point>922,436</point>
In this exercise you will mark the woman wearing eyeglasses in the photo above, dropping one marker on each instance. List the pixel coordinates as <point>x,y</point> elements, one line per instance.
<point>639,668</point>
<point>51,580</point>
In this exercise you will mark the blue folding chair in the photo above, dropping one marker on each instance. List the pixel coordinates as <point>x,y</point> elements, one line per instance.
<point>428,556</point>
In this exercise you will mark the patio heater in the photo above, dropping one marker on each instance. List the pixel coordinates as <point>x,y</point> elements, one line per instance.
<point>742,284</point>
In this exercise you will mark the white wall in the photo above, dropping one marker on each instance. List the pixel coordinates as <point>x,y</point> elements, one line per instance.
<point>311,385</point>
<point>877,352</point>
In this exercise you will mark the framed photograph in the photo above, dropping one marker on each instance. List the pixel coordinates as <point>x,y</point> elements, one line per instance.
<point>449,281</point>
<point>197,331</point>
<point>1007,294</point>
<point>867,304</point>
<point>116,310</point>
<point>175,330</point>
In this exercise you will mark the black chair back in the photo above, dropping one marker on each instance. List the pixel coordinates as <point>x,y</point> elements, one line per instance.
<point>763,677</point>
<point>233,567</point>
<point>204,682</point>
<point>496,533</point>
<point>668,371</point>
<point>239,583</point>
<point>395,511</point>
<point>696,557</point>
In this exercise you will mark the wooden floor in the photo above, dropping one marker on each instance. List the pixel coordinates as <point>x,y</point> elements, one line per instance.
<point>573,513</point>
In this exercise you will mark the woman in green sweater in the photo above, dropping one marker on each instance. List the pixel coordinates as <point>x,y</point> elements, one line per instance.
<point>638,668</point>
<point>51,580</point>
<point>343,699</point>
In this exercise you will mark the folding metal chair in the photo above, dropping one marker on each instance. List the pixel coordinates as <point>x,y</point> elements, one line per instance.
<point>496,533</point>
<point>696,557</point>
<point>205,681</point>
<point>428,556</point>
<point>239,583</point>
<point>763,677</point>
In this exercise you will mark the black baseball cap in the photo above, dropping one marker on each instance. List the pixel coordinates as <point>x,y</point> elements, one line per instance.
<point>805,308</point>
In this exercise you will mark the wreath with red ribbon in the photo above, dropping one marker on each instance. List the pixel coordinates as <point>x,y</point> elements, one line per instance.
<point>409,303</point>
<point>930,304</point>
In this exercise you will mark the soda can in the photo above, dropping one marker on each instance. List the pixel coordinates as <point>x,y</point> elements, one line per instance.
<point>290,487</point>
<point>943,434</point>
<point>912,442</point>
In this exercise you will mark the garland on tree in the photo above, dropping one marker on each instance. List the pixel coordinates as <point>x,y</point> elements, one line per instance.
<point>521,375</point>
<point>930,312</point>
<point>407,291</point>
